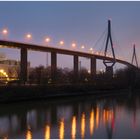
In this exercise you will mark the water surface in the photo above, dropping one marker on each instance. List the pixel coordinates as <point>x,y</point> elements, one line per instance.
<point>76,117</point>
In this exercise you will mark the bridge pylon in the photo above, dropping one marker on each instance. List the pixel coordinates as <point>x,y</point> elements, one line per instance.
<point>134,57</point>
<point>109,63</point>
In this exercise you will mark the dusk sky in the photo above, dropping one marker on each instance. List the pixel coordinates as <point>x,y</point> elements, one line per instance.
<point>81,22</point>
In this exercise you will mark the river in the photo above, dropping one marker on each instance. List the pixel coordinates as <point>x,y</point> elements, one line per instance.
<point>73,117</point>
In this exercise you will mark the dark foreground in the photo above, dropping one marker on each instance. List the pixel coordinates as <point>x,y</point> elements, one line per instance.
<point>20,93</point>
<point>113,116</point>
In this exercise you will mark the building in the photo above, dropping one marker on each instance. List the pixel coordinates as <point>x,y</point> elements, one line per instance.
<point>9,69</point>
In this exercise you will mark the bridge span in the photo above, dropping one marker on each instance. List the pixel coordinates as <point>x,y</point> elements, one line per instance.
<point>24,47</point>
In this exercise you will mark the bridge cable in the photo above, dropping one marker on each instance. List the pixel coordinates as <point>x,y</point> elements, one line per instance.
<point>103,45</point>
<point>96,43</point>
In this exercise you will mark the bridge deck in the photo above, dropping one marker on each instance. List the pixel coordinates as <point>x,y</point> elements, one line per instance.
<point>19,45</point>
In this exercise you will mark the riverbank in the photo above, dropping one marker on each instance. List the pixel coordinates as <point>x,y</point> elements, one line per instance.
<point>25,93</point>
<point>37,92</point>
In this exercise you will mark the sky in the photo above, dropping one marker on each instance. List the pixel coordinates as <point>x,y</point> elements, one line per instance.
<point>81,22</point>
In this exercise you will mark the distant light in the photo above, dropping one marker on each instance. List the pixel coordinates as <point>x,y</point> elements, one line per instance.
<point>28,36</point>
<point>101,70</point>
<point>97,53</point>
<point>92,52</point>
<point>91,49</point>
<point>73,45</point>
<point>89,71</point>
<point>47,39</point>
<point>5,31</point>
<point>61,43</point>
<point>4,73</point>
<point>1,70</point>
<point>82,47</point>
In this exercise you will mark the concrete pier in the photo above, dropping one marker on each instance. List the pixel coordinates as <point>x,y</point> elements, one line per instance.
<point>93,67</point>
<point>76,68</point>
<point>53,66</point>
<point>23,65</point>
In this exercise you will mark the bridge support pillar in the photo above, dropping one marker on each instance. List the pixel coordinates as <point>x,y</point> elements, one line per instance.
<point>93,67</point>
<point>109,71</point>
<point>53,66</point>
<point>23,65</point>
<point>76,68</point>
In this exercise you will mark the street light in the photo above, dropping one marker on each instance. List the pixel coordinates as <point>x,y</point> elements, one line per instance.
<point>47,39</point>
<point>82,47</point>
<point>97,53</point>
<point>61,43</point>
<point>28,36</point>
<point>5,32</point>
<point>91,49</point>
<point>73,45</point>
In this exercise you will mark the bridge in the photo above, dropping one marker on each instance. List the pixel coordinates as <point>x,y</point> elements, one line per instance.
<point>24,47</point>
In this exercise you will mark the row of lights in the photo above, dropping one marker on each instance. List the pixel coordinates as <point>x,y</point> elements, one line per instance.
<point>61,43</point>
<point>29,37</point>
<point>47,39</point>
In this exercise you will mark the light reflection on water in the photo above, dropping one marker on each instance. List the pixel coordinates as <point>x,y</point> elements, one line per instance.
<point>73,128</point>
<point>75,118</point>
<point>61,129</point>
<point>97,117</point>
<point>83,125</point>
<point>47,132</point>
<point>28,133</point>
<point>91,122</point>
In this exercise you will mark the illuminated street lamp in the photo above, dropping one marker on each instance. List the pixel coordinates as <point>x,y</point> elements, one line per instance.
<point>82,47</point>
<point>61,43</point>
<point>5,32</point>
<point>91,49</point>
<point>28,36</point>
<point>97,53</point>
<point>73,45</point>
<point>47,39</point>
